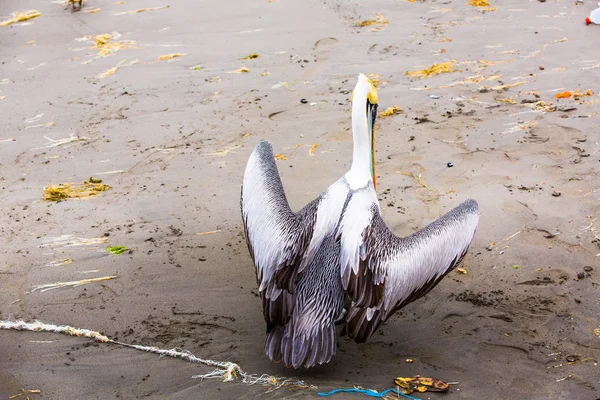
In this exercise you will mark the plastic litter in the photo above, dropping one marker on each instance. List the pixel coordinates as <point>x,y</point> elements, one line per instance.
<point>594,17</point>
<point>421,384</point>
<point>367,392</point>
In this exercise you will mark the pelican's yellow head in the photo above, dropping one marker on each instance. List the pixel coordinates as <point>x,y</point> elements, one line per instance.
<point>366,85</point>
<point>364,111</point>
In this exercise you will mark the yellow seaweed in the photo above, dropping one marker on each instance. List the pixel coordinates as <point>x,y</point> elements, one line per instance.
<point>171,56</point>
<point>21,16</point>
<point>56,263</point>
<point>483,5</point>
<point>101,40</point>
<point>486,63</point>
<point>109,72</point>
<point>250,57</point>
<point>480,78</point>
<point>507,100</point>
<point>114,69</point>
<point>207,233</point>
<point>26,391</point>
<point>69,190</point>
<point>105,45</point>
<point>280,157</point>
<point>577,93</point>
<point>478,3</point>
<point>434,69</point>
<point>543,106</point>
<point>379,20</point>
<point>392,110</point>
<point>239,71</point>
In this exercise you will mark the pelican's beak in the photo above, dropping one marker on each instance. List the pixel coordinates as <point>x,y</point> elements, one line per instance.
<point>371,115</point>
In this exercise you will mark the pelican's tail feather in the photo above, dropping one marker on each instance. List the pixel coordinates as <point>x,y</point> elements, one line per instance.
<point>301,350</point>
<point>273,343</point>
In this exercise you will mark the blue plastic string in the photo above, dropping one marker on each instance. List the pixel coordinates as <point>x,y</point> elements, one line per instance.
<point>367,392</point>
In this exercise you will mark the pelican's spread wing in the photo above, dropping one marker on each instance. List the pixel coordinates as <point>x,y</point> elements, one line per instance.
<point>382,273</point>
<point>277,237</point>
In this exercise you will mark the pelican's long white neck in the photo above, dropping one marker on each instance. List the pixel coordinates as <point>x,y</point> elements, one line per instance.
<point>361,157</point>
<point>360,172</point>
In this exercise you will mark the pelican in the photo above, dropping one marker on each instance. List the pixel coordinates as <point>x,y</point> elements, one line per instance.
<point>335,261</point>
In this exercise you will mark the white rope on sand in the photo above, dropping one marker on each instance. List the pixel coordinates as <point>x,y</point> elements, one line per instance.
<point>38,326</point>
<point>226,370</point>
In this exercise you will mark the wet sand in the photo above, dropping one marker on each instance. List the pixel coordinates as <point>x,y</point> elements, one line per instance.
<point>172,142</point>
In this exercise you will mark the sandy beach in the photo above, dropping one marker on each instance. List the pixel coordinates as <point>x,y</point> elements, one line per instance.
<point>165,106</point>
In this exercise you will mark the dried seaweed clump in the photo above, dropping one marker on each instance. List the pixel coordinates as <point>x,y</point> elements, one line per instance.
<point>251,56</point>
<point>435,69</point>
<point>20,17</point>
<point>69,190</point>
<point>171,56</point>
<point>483,5</point>
<point>380,21</point>
<point>478,3</point>
<point>106,44</point>
<point>392,110</point>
